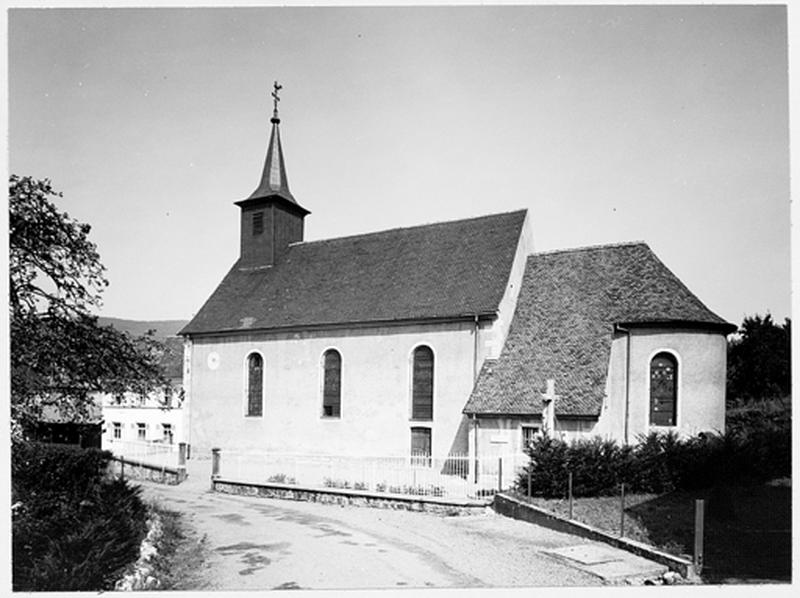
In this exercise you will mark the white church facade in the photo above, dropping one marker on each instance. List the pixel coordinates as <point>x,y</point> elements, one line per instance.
<point>446,338</point>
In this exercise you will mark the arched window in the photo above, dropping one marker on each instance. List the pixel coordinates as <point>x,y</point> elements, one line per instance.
<point>663,390</point>
<point>332,384</point>
<point>422,384</point>
<point>255,385</point>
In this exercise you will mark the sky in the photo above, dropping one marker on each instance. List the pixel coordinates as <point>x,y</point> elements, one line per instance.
<point>667,124</point>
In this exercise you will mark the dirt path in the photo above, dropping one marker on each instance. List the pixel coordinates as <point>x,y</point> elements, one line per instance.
<point>257,544</point>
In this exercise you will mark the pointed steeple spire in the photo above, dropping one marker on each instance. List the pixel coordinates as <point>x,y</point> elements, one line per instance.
<point>273,178</point>
<point>271,219</point>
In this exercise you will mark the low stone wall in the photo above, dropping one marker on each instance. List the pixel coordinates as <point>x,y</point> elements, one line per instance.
<point>511,507</point>
<point>359,498</point>
<point>139,470</point>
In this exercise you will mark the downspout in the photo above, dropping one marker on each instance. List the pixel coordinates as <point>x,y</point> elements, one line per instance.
<point>474,380</point>
<point>627,381</point>
<point>475,352</point>
<point>475,444</point>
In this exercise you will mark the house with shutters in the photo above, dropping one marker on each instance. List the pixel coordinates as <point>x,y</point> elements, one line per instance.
<point>444,338</point>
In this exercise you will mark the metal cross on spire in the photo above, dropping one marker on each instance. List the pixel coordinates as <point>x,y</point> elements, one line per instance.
<point>275,99</point>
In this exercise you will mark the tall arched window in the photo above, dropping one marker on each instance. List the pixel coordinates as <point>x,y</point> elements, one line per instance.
<point>663,390</point>
<point>332,384</point>
<point>255,385</point>
<point>422,384</point>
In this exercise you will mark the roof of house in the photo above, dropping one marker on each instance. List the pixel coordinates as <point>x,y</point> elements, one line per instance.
<point>435,271</point>
<point>564,323</point>
<point>172,359</point>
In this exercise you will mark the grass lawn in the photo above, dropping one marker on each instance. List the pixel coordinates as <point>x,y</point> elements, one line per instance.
<point>747,529</point>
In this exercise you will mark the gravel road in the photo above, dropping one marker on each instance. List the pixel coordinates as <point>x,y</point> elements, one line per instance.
<point>259,544</point>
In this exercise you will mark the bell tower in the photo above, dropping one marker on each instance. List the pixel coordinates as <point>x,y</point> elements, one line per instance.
<point>271,218</point>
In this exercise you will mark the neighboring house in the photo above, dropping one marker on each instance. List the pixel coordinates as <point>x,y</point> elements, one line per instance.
<point>440,339</point>
<point>153,418</point>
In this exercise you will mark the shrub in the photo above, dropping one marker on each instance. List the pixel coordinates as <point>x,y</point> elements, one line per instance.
<point>43,468</point>
<point>72,528</point>
<point>659,463</point>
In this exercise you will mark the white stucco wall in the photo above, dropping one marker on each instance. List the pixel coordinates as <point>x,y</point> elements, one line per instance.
<point>701,358</point>
<point>375,383</point>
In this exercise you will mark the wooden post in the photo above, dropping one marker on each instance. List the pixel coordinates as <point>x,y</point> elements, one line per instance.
<point>500,474</point>
<point>181,462</point>
<point>622,510</point>
<point>529,481</point>
<point>569,491</point>
<point>215,463</point>
<point>699,513</point>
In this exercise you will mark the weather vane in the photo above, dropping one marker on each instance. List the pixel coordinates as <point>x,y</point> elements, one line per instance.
<point>275,98</point>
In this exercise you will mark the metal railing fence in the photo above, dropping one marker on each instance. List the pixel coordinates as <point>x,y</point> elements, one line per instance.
<point>454,475</point>
<point>155,453</point>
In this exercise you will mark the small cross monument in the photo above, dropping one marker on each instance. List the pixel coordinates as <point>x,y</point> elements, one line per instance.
<point>549,411</point>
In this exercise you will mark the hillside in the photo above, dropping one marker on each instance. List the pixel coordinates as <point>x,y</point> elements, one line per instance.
<point>163,328</point>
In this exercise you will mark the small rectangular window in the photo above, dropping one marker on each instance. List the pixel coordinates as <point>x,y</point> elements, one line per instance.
<point>117,430</point>
<point>421,447</point>
<point>528,434</point>
<point>167,432</point>
<point>258,223</point>
<point>141,431</point>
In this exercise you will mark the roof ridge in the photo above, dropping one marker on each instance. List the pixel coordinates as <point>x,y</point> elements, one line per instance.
<point>590,248</point>
<point>405,228</point>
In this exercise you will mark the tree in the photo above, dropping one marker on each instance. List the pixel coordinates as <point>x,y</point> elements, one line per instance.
<point>759,360</point>
<point>60,355</point>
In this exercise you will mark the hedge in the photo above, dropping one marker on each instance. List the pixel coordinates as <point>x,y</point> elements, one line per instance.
<point>73,528</point>
<point>659,463</point>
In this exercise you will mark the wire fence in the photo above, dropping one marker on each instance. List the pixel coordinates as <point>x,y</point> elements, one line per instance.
<point>154,453</point>
<point>455,475</point>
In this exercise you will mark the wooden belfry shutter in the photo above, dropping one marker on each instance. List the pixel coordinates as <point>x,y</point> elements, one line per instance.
<point>663,390</point>
<point>255,384</point>
<point>332,386</point>
<point>422,385</point>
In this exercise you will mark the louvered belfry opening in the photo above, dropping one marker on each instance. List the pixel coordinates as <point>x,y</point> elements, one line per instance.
<point>332,384</point>
<point>422,384</point>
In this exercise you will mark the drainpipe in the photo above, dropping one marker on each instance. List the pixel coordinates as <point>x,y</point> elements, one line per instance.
<point>475,445</point>
<point>475,352</point>
<point>627,380</point>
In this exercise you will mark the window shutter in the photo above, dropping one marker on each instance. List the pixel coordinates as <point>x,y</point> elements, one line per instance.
<point>422,384</point>
<point>332,384</point>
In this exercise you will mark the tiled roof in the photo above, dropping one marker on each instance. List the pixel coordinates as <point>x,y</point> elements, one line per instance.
<point>563,326</point>
<point>449,269</point>
<point>172,360</point>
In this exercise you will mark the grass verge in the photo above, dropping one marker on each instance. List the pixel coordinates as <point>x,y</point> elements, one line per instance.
<point>747,528</point>
<point>181,553</point>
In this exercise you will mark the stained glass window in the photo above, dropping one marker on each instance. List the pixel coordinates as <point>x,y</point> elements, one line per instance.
<point>663,390</point>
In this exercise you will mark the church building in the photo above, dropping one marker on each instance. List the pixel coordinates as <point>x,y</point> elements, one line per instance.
<point>440,339</point>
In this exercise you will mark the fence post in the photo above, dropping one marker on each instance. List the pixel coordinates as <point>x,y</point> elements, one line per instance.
<point>569,493</point>
<point>215,462</point>
<point>500,474</point>
<point>181,462</point>
<point>530,488</point>
<point>699,512</point>
<point>622,510</point>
